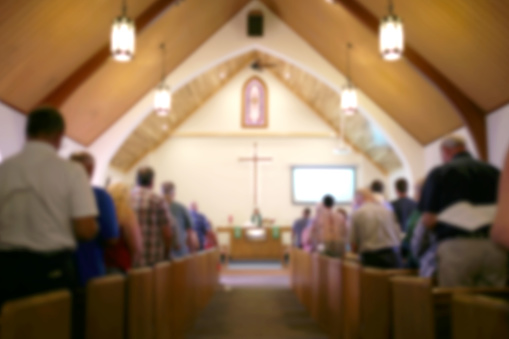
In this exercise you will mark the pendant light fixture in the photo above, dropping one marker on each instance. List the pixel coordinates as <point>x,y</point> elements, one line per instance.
<point>348,94</point>
<point>162,96</point>
<point>123,37</point>
<point>392,39</point>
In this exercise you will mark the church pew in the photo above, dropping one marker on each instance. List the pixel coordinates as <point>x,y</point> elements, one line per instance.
<point>178,283</point>
<point>376,302</point>
<point>334,297</point>
<point>306,280</point>
<point>315,286</point>
<point>351,273</point>
<point>421,311</point>
<point>43,316</point>
<point>105,308</point>
<point>140,303</point>
<point>480,317</point>
<point>323,287</point>
<point>163,300</point>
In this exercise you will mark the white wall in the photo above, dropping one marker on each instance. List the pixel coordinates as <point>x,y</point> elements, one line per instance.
<point>207,169</point>
<point>12,134</point>
<point>498,135</point>
<point>280,41</point>
<point>12,131</point>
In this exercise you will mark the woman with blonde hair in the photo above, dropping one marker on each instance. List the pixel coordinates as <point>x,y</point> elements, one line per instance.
<point>126,252</point>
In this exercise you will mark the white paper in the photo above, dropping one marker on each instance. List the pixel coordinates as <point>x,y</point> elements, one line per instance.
<point>467,216</point>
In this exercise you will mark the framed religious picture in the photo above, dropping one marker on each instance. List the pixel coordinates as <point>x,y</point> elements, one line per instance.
<point>255,98</point>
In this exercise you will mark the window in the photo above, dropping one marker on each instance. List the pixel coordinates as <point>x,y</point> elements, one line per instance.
<point>311,183</point>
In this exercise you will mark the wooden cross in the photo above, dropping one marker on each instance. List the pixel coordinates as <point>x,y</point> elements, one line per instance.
<point>255,159</point>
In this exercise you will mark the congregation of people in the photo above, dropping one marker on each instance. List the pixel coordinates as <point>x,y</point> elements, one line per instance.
<point>53,221</point>
<point>410,233</point>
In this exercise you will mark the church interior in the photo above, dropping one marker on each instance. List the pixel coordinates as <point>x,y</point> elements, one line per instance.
<point>255,110</point>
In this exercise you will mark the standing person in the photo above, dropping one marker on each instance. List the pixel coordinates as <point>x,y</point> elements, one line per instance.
<point>200,223</point>
<point>328,229</point>
<point>464,258</point>
<point>90,254</point>
<point>378,192</point>
<point>374,233</point>
<point>154,218</point>
<point>298,227</point>
<point>403,206</point>
<point>183,224</point>
<point>45,204</point>
<point>128,249</point>
<point>256,218</point>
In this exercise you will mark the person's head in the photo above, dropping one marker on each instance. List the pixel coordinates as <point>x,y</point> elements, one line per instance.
<point>46,124</point>
<point>193,206</point>
<point>451,146</point>
<point>145,177</point>
<point>328,201</point>
<point>377,187</point>
<point>306,213</point>
<point>363,196</point>
<point>121,197</point>
<point>168,189</point>
<point>86,159</point>
<point>401,187</point>
<point>256,211</point>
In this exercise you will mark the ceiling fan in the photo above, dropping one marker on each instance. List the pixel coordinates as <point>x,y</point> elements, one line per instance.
<point>259,65</point>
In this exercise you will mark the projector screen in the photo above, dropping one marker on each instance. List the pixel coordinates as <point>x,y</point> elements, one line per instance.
<point>310,184</point>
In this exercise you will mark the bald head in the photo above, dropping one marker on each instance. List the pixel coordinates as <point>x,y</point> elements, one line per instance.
<point>194,206</point>
<point>86,159</point>
<point>451,146</point>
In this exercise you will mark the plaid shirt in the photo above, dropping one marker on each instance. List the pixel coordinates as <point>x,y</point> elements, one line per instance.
<point>153,215</point>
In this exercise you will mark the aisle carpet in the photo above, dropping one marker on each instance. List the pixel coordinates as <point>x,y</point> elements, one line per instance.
<point>249,313</point>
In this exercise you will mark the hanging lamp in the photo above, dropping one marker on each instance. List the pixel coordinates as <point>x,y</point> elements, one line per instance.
<point>162,96</point>
<point>392,39</point>
<point>349,93</point>
<point>123,37</point>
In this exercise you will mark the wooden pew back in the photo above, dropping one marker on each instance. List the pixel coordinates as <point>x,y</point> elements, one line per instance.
<point>351,272</point>
<point>163,300</point>
<point>335,297</point>
<point>423,312</point>
<point>140,303</point>
<point>44,316</point>
<point>105,308</point>
<point>480,317</point>
<point>376,302</point>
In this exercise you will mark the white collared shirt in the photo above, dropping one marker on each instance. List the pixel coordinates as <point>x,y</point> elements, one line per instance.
<point>40,194</point>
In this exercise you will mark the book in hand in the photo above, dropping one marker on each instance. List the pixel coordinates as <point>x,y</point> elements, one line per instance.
<point>468,217</point>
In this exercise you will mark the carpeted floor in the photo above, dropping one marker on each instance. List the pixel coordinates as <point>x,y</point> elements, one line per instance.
<point>251,313</point>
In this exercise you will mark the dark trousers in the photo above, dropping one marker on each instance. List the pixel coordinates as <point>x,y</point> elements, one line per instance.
<point>24,273</point>
<point>384,258</point>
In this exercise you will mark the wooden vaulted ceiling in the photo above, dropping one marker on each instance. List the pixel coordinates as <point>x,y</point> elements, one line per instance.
<point>454,72</point>
<point>323,100</point>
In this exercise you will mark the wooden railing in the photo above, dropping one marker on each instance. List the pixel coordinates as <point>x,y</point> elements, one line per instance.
<point>160,302</point>
<point>352,302</point>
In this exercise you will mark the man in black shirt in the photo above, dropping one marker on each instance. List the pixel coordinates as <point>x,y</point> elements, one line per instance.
<point>464,258</point>
<point>404,206</point>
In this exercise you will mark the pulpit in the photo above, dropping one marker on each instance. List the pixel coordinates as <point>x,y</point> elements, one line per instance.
<point>256,243</point>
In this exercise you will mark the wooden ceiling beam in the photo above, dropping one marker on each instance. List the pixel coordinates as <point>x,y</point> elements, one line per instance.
<point>67,87</point>
<point>469,112</point>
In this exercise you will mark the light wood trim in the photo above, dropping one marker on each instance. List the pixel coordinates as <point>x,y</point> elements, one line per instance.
<point>333,126</point>
<point>205,134</point>
<point>469,112</point>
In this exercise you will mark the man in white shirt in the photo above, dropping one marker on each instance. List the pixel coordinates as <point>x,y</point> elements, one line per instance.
<point>375,234</point>
<point>45,204</point>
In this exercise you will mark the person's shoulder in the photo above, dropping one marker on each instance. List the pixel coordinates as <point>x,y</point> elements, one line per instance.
<point>101,194</point>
